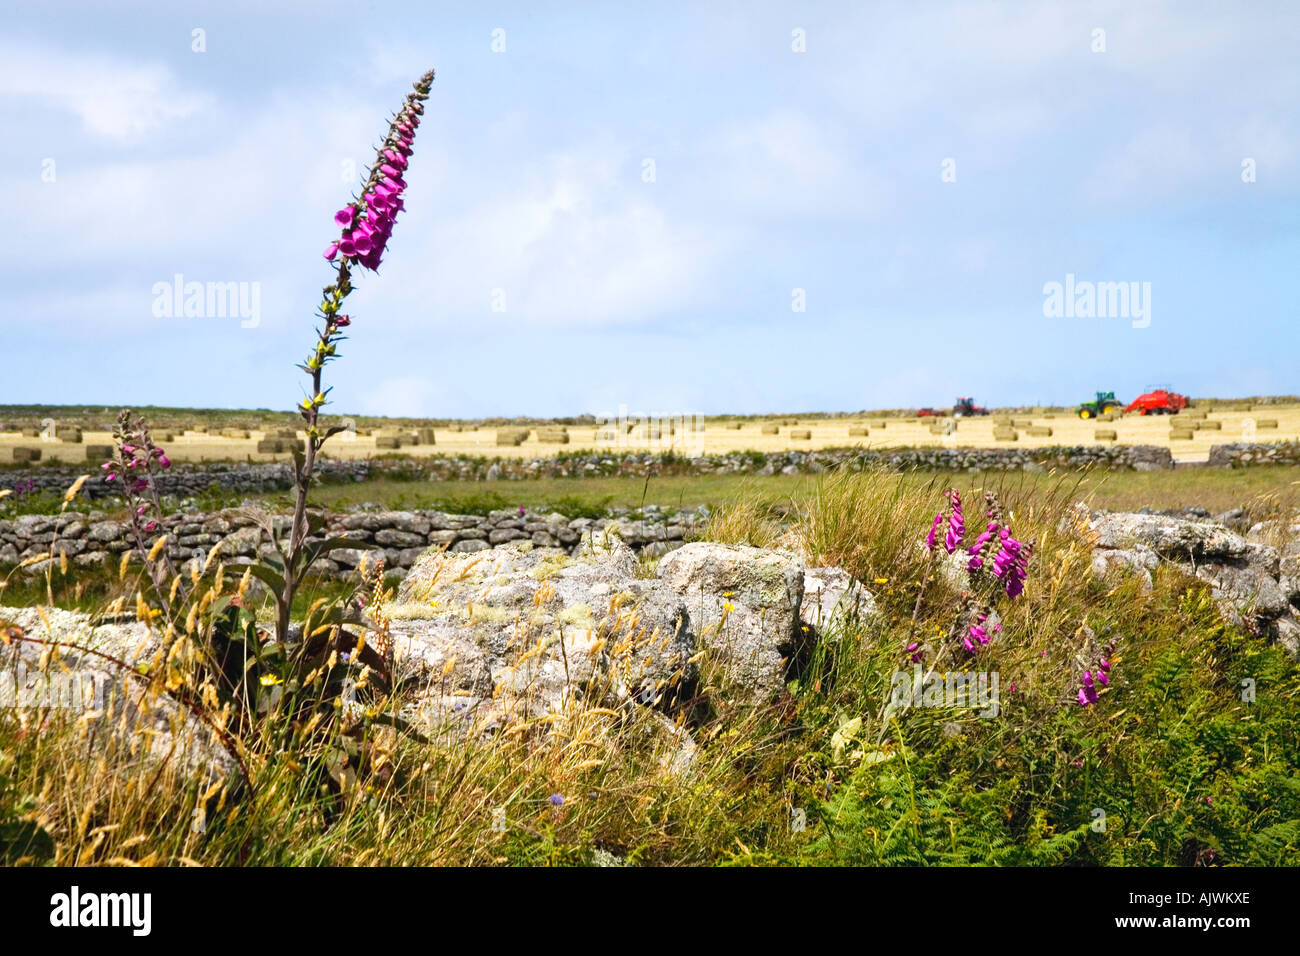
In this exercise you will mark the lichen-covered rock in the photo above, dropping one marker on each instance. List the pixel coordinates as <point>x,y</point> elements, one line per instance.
<point>537,623</point>
<point>1173,538</point>
<point>540,627</point>
<point>1255,577</point>
<point>831,595</point>
<point>63,663</point>
<point>1139,559</point>
<point>744,604</point>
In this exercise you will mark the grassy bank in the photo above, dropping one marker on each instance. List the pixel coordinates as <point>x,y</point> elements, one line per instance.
<point>1215,489</point>
<point>1181,768</point>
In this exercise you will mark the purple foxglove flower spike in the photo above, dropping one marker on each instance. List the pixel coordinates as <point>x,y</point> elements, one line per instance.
<point>363,239</point>
<point>929,538</point>
<point>956,523</point>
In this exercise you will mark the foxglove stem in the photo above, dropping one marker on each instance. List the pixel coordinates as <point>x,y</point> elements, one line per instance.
<point>366,226</point>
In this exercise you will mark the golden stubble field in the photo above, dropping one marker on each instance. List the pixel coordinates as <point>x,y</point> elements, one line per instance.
<point>722,436</point>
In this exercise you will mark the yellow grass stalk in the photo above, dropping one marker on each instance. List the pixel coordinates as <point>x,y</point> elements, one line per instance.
<point>76,487</point>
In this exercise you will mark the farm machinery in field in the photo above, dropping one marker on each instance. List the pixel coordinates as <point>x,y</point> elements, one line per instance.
<point>966,408</point>
<point>1105,403</point>
<point>1160,401</point>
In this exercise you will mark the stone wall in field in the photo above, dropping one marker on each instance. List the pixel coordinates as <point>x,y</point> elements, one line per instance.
<point>400,537</point>
<point>185,480</point>
<point>1243,455</point>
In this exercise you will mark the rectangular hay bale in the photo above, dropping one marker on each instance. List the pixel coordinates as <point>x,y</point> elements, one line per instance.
<point>512,436</point>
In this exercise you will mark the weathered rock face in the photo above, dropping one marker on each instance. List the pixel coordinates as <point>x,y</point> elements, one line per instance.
<point>1254,580</point>
<point>538,627</point>
<point>1173,538</point>
<point>743,604</point>
<point>832,594</point>
<point>83,685</point>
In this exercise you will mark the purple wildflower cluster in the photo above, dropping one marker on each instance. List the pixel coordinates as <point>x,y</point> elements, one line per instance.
<point>25,487</point>
<point>367,224</point>
<point>995,550</point>
<point>1010,556</point>
<point>1088,689</point>
<point>133,464</point>
<point>955,521</point>
<point>977,635</point>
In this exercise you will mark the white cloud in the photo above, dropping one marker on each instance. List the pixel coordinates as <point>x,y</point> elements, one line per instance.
<point>1167,161</point>
<point>114,100</point>
<point>226,205</point>
<point>786,164</point>
<point>582,242</point>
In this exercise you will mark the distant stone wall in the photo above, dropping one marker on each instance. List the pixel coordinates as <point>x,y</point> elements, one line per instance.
<point>1112,457</point>
<point>1242,454</point>
<point>185,480</point>
<point>400,537</point>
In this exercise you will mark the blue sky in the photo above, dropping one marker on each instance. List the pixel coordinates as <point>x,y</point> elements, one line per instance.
<point>775,170</point>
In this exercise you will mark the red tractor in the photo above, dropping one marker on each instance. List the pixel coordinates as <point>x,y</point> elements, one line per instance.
<point>1159,401</point>
<point>966,408</point>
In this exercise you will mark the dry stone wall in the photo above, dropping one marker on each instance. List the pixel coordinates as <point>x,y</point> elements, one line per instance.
<point>185,480</point>
<point>1243,454</point>
<point>400,537</point>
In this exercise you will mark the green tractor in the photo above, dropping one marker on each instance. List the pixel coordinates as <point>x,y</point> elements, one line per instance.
<point>1105,403</point>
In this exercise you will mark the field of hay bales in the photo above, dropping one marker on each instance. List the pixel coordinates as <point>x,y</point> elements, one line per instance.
<point>262,436</point>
